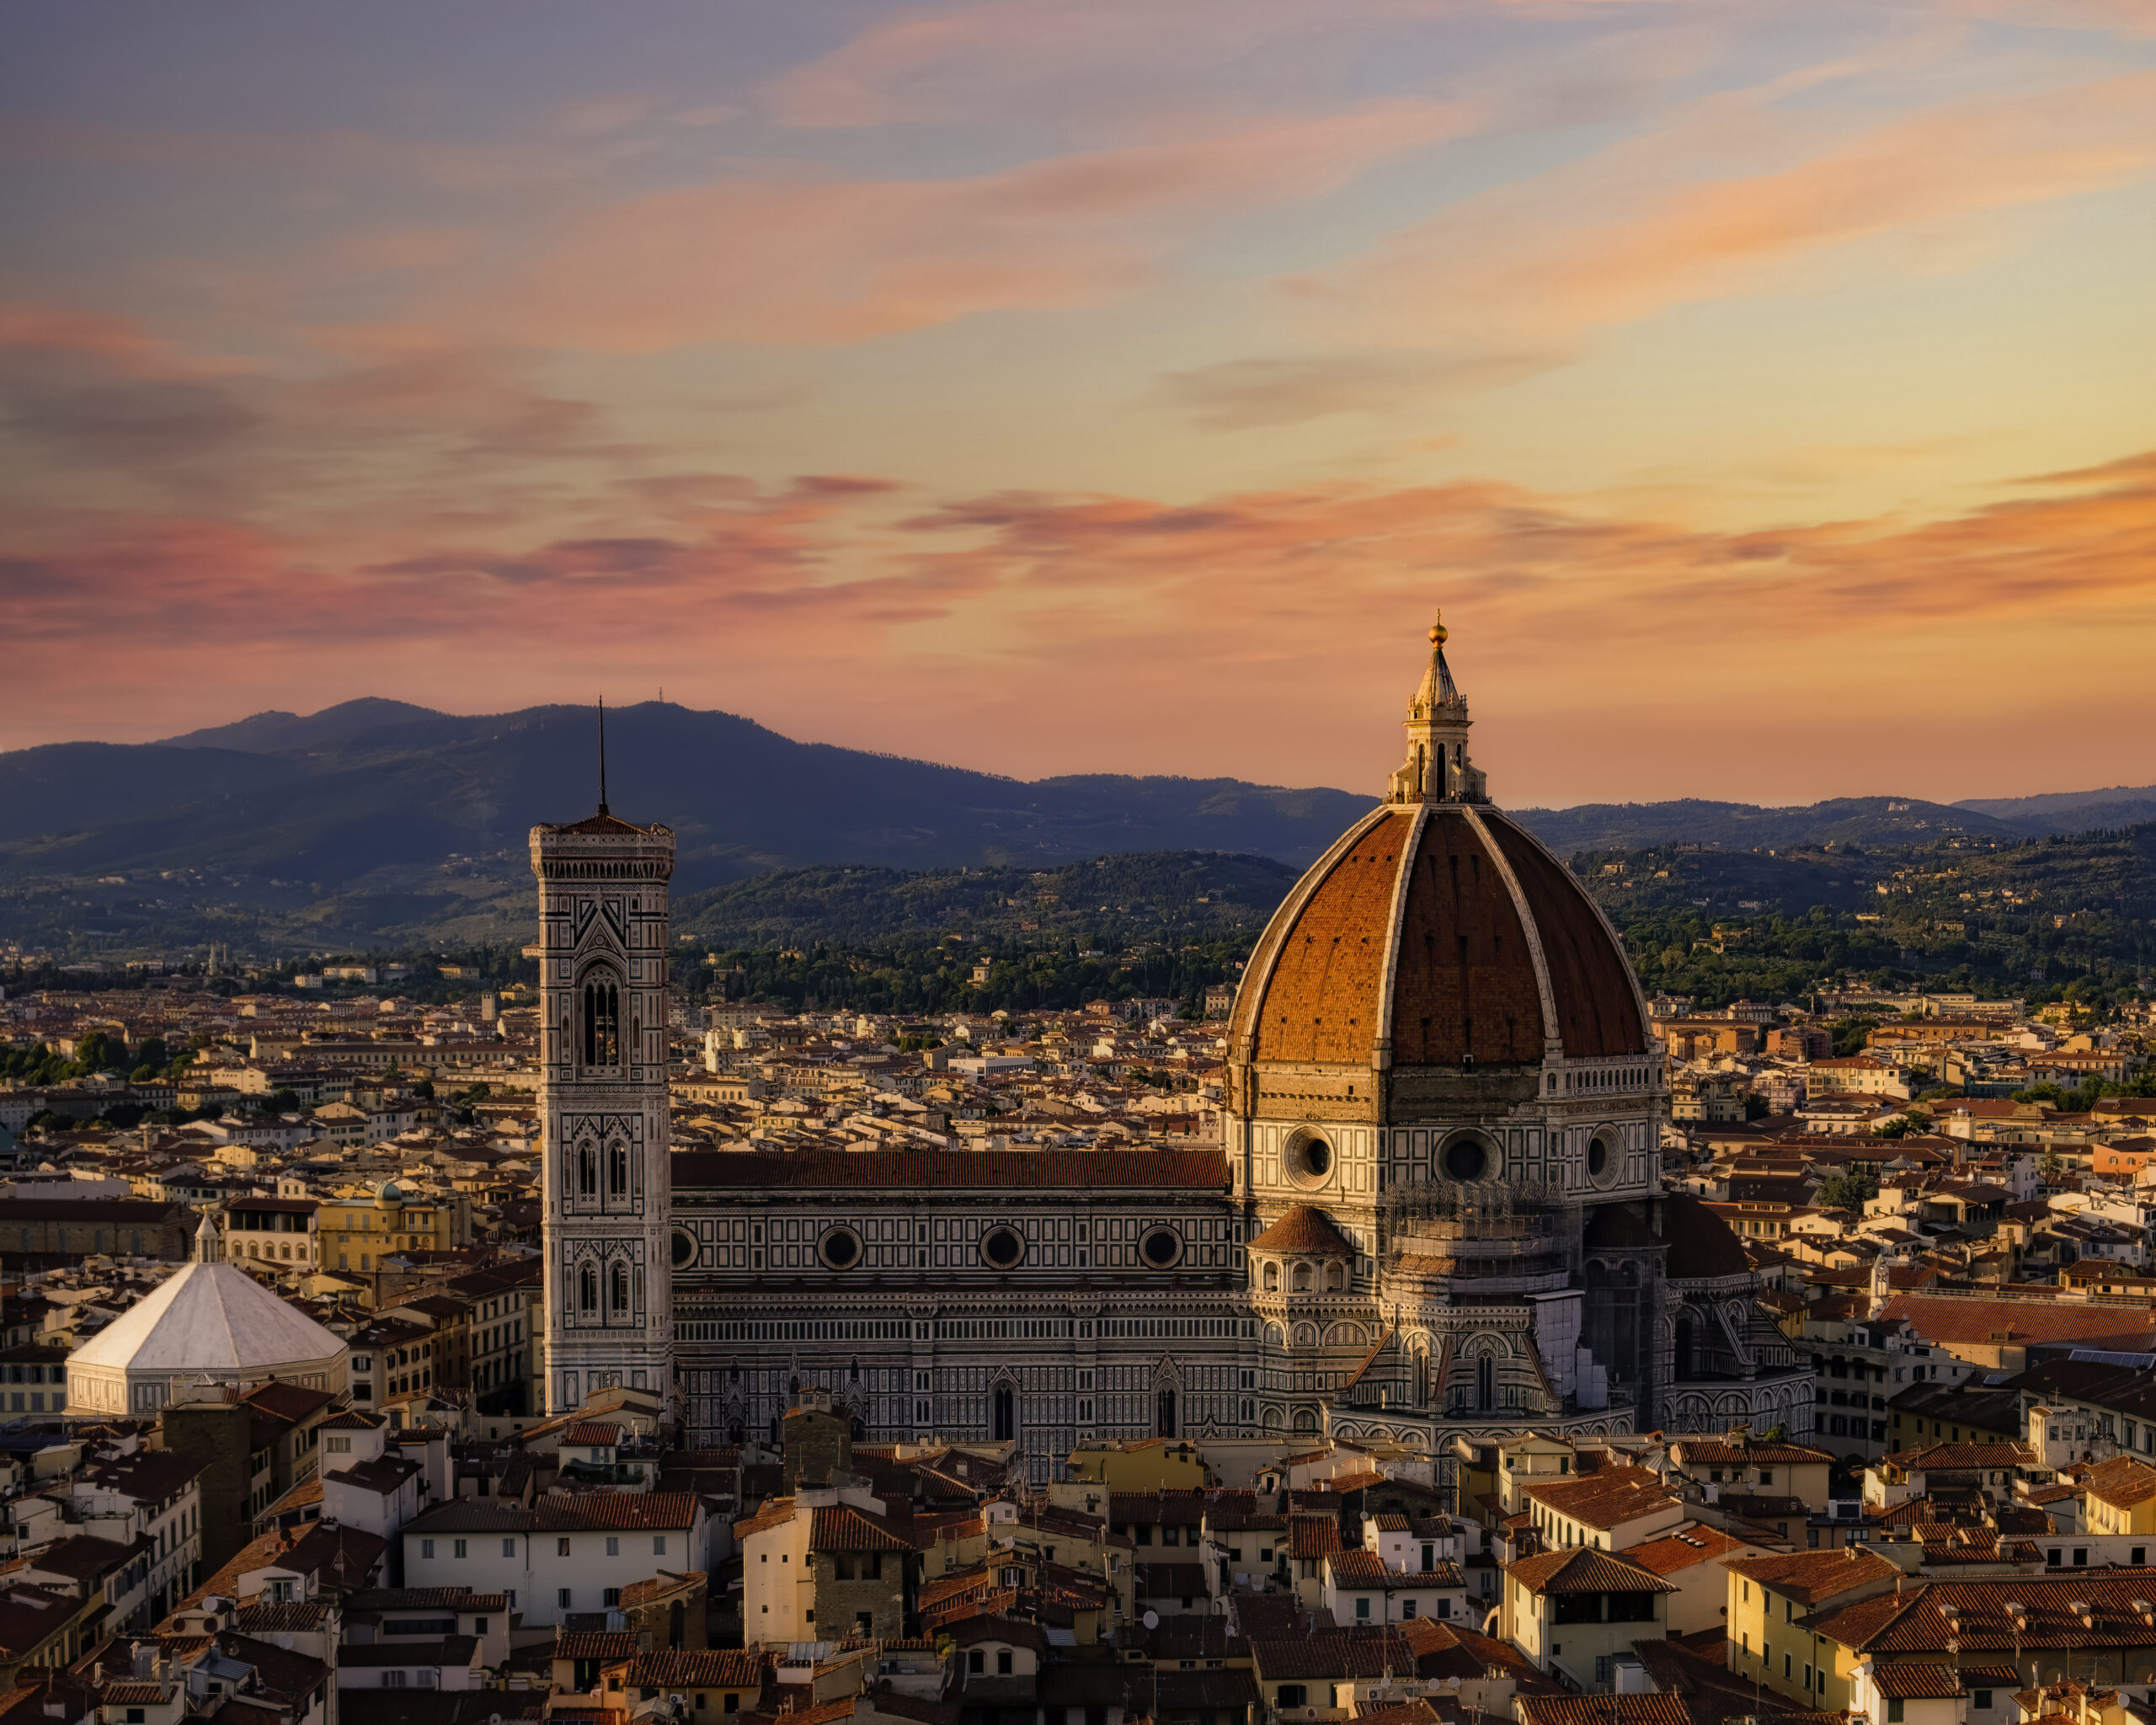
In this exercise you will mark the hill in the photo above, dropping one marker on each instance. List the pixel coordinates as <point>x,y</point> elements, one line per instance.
<point>378,823</point>
<point>1196,895</point>
<point>2071,811</point>
<point>2016,917</point>
<point>1740,826</point>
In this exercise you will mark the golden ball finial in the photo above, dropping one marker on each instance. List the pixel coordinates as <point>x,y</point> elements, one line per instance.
<point>1439,633</point>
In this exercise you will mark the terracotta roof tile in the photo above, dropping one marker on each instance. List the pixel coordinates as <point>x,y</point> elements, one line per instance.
<point>1720,1452</point>
<point>1605,1710</point>
<point>987,1170</point>
<point>1964,1457</point>
<point>1304,1229</point>
<point>1676,1552</point>
<point>1607,1499</point>
<point>1812,1576</point>
<point>700,1667</point>
<point>606,1644</point>
<point>1583,1569</point>
<point>2122,1481</point>
<point>842,1527</point>
<point>776,1512</point>
<point>1916,1680</point>
<point>1917,1621</point>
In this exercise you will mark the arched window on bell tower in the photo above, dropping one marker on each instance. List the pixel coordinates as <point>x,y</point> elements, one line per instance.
<point>587,1170</point>
<point>587,1289</point>
<point>621,1291</point>
<point>618,1169</point>
<point>602,1020</point>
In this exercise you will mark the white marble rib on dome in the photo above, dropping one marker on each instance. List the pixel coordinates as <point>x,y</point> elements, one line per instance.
<point>208,1321</point>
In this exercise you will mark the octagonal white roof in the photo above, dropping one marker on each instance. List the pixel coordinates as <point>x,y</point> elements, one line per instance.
<point>209,1317</point>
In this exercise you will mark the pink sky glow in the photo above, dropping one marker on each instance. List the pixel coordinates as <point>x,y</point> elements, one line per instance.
<point>1768,394</point>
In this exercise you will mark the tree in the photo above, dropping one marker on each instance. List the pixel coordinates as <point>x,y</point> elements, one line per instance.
<point>1851,1036</point>
<point>1851,1189</point>
<point>98,1052</point>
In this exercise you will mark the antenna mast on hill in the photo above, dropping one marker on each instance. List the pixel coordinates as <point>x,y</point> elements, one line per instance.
<point>602,753</point>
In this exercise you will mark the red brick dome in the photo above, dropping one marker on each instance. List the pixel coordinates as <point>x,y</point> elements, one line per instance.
<point>1445,932</point>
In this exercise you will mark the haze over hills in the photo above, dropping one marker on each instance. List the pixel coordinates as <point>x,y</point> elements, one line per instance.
<point>2072,811</point>
<point>375,820</point>
<point>1744,826</point>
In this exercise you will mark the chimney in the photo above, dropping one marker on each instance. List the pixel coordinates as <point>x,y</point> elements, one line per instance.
<point>145,1656</point>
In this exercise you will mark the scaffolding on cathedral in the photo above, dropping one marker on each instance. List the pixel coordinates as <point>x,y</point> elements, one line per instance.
<point>1479,1230</point>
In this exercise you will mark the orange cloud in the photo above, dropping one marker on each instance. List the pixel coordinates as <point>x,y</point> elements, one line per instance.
<point>1611,656</point>
<point>1620,237</point>
<point>121,344</point>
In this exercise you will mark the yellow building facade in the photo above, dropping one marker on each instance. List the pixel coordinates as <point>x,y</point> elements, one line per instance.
<point>357,1232</point>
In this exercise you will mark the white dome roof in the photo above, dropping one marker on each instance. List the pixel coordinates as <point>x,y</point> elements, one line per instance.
<point>209,1317</point>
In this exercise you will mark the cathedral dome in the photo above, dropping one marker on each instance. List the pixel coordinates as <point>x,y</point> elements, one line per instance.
<point>1438,932</point>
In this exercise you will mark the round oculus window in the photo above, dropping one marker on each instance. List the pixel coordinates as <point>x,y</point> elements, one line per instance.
<point>1162,1248</point>
<point>683,1249</point>
<point>1466,1158</point>
<point>1601,1159</point>
<point>839,1248</point>
<point>1002,1247</point>
<point>1309,1159</point>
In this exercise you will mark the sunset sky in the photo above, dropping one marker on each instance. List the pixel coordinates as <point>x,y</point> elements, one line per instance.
<point>1767,391</point>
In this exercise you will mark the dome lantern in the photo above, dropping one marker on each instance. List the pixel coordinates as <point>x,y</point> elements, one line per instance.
<point>1437,769</point>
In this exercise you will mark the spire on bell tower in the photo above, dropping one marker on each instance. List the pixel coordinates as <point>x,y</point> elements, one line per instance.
<point>1437,769</point>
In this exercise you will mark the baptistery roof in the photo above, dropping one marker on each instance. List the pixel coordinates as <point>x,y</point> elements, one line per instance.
<point>1438,931</point>
<point>209,1317</point>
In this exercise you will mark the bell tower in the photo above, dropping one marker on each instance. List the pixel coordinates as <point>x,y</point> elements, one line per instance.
<point>603,955</point>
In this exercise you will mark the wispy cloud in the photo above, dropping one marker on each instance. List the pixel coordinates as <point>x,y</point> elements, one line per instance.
<point>1649,223</point>
<point>844,606</point>
<point>1241,395</point>
<point>810,258</point>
